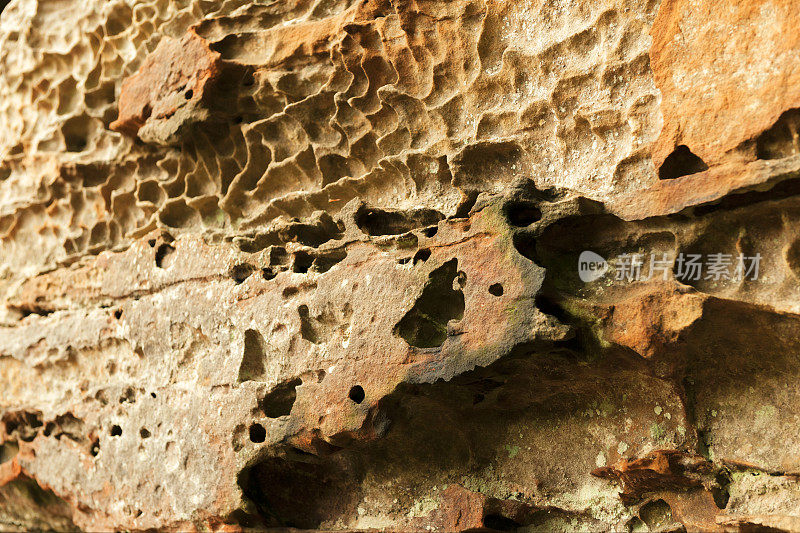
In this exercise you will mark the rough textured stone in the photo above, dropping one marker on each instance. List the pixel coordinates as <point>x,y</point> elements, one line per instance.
<point>314,264</point>
<point>727,72</point>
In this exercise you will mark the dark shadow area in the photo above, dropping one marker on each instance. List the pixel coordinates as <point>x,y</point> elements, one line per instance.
<point>681,162</point>
<point>28,506</point>
<point>425,325</point>
<point>374,221</point>
<point>782,139</point>
<point>446,432</point>
<point>280,400</point>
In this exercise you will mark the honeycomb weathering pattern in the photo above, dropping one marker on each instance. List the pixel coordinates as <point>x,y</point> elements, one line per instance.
<point>398,103</point>
<point>313,264</point>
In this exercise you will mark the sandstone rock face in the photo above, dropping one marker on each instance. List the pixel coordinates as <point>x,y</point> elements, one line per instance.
<point>316,264</point>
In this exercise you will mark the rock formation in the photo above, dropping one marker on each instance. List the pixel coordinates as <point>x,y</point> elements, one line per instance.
<point>317,264</point>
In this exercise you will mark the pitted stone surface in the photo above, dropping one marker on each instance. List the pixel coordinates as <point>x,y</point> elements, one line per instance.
<point>314,264</point>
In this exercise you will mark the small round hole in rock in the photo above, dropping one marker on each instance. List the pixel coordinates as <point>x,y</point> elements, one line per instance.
<point>496,289</point>
<point>257,433</point>
<point>189,94</point>
<point>153,394</point>
<point>118,314</point>
<point>94,449</point>
<point>357,394</point>
<point>144,433</point>
<point>422,255</point>
<point>116,431</point>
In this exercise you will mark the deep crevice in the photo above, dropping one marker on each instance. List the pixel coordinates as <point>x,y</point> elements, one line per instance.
<point>785,189</point>
<point>375,222</point>
<point>324,261</point>
<point>549,305</point>
<point>302,262</point>
<point>31,309</point>
<point>163,255</point>
<point>241,272</point>
<point>499,522</point>
<point>421,256</point>
<point>318,490</point>
<point>457,418</point>
<point>720,493</point>
<point>466,204</point>
<point>522,214</point>
<point>317,231</point>
<point>525,244</point>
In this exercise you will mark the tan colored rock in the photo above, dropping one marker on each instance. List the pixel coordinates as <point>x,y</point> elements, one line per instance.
<point>315,264</point>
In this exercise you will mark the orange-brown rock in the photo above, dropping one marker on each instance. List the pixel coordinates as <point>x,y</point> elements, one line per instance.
<point>178,76</point>
<point>727,71</point>
<point>659,470</point>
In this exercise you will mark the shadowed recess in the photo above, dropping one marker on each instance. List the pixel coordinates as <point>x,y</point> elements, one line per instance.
<point>681,162</point>
<point>425,325</point>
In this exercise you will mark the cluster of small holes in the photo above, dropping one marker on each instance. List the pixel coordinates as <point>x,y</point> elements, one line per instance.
<point>284,149</point>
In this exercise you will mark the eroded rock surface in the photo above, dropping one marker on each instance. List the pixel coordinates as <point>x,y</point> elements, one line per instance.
<point>315,264</point>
